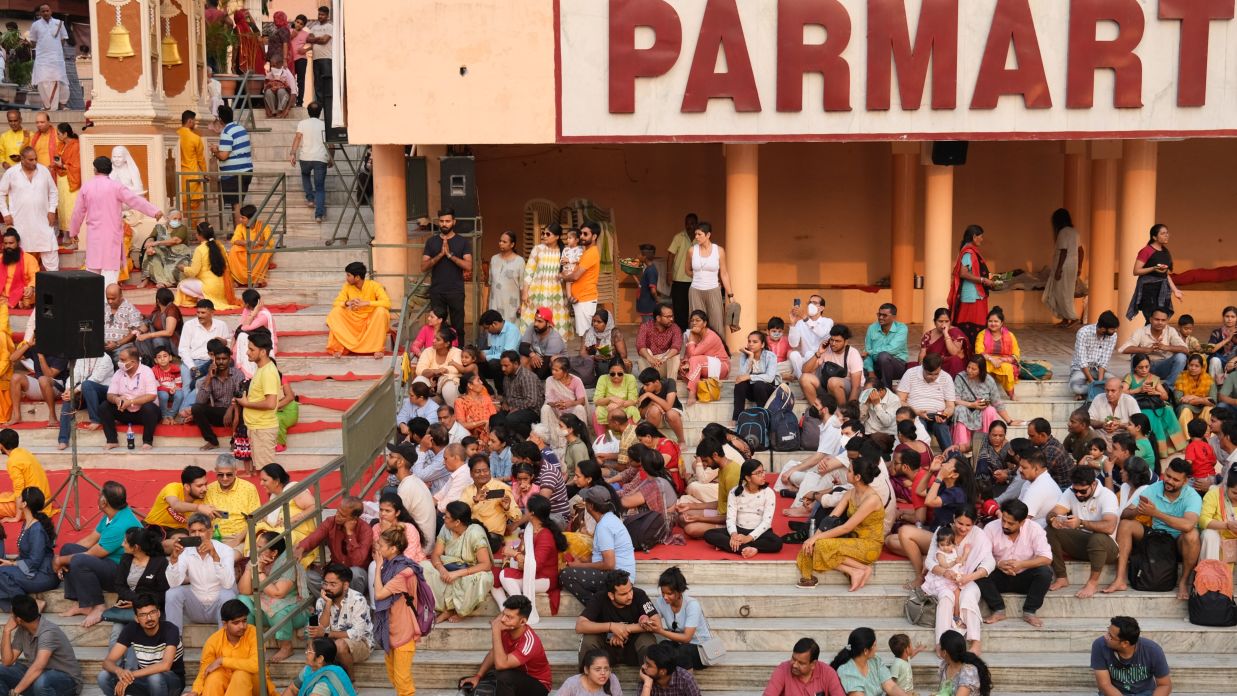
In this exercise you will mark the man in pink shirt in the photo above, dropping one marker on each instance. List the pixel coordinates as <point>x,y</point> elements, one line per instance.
<point>131,399</point>
<point>100,203</point>
<point>804,674</point>
<point>1023,557</point>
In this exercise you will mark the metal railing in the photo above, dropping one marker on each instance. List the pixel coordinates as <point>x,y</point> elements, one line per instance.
<point>243,99</point>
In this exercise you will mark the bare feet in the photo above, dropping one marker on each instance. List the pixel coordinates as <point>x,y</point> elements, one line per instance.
<point>913,583</point>
<point>453,617</point>
<point>94,617</point>
<point>1059,584</point>
<point>749,552</point>
<point>91,427</point>
<point>1088,590</point>
<point>111,446</point>
<point>147,447</point>
<point>1117,585</point>
<point>337,354</point>
<point>75,611</point>
<point>62,445</point>
<point>995,618</point>
<point>207,447</point>
<point>860,578</point>
<point>165,421</point>
<point>1033,620</point>
<point>1183,592</point>
<point>379,355</point>
<point>285,651</point>
<point>798,512</point>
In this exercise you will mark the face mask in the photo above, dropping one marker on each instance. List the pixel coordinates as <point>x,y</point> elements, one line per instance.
<point>813,310</point>
<point>173,223</point>
<point>775,335</point>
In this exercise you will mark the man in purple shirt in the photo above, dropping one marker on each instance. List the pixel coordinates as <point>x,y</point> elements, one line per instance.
<point>131,399</point>
<point>1023,557</point>
<point>100,203</point>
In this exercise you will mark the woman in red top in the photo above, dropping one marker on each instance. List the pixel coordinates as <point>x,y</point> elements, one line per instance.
<point>652,438</point>
<point>529,575</point>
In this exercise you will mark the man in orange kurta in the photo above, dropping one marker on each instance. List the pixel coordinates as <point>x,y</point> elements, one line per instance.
<point>230,656</point>
<point>43,140</point>
<point>192,159</point>
<point>361,316</point>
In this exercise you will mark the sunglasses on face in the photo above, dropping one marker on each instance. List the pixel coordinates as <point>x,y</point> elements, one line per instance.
<point>616,374</point>
<point>1082,491</point>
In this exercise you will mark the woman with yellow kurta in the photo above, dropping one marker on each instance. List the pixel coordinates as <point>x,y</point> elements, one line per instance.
<point>249,233</point>
<point>836,549</point>
<point>275,479</point>
<point>1000,348</point>
<point>207,275</point>
<point>361,317</point>
<point>67,168</point>
<point>192,160</point>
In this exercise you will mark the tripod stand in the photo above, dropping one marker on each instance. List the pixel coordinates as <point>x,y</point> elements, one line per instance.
<point>71,488</point>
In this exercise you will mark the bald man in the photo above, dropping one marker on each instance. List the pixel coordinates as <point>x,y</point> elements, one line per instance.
<point>121,320</point>
<point>349,540</point>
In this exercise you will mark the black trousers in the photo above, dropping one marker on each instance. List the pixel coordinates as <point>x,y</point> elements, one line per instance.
<point>323,80</point>
<point>1033,583</point>
<point>526,416</point>
<point>768,542</point>
<point>148,415</point>
<point>679,294</point>
<point>516,682</point>
<point>205,417</point>
<point>491,370</point>
<point>748,390</point>
<point>300,64</point>
<point>889,368</point>
<point>449,304</point>
<point>88,576</point>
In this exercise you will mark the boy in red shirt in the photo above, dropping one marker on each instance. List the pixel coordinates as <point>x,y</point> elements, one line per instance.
<point>516,655</point>
<point>1200,456</point>
<point>170,393</point>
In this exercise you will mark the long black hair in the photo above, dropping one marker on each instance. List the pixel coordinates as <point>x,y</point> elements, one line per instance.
<point>539,507</point>
<point>401,512</point>
<point>954,646</point>
<point>577,427</point>
<point>969,235</point>
<point>218,263</point>
<point>859,641</point>
<point>34,499</point>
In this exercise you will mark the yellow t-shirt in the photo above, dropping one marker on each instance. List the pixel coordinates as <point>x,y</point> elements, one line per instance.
<point>162,515</point>
<point>264,383</point>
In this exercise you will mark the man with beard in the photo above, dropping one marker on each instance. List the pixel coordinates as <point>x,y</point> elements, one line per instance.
<point>343,616</point>
<point>446,257</point>
<point>1174,508</point>
<point>1084,525</point>
<point>542,343</point>
<point>413,492</point>
<point>28,200</point>
<point>19,271</point>
<point>804,673</point>
<point>1022,558</point>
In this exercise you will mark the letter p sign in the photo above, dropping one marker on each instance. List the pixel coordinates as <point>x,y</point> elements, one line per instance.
<point>626,61</point>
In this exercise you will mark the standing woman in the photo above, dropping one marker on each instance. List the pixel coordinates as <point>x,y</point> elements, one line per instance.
<point>1155,288</point>
<point>1059,290</point>
<point>249,55</point>
<point>968,288</point>
<point>999,347</point>
<point>749,516</point>
<point>948,341</point>
<point>279,41</point>
<point>706,265</point>
<point>542,286</point>
<point>704,354</point>
<point>964,672</point>
<point>67,168</point>
<point>757,374</point>
<point>395,627</point>
<point>506,278</point>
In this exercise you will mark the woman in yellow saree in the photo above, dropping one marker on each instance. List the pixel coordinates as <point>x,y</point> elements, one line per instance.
<point>249,233</point>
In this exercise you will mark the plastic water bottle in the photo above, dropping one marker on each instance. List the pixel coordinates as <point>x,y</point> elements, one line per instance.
<point>811,527</point>
<point>129,438</point>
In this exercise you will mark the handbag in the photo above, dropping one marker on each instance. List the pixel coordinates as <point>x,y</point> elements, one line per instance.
<point>118,615</point>
<point>830,370</point>
<point>708,390</point>
<point>920,608</point>
<point>712,651</point>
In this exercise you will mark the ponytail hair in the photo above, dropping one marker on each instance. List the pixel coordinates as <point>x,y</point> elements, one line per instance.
<point>218,263</point>
<point>34,499</point>
<point>859,641</point>
<point>954,647</point>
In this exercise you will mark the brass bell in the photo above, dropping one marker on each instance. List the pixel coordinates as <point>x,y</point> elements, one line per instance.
<point>171,51</point>
<point>118,44</point>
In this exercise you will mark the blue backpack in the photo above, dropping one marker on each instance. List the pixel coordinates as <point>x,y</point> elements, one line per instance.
<point>782,399</point>
<point>753,426</point>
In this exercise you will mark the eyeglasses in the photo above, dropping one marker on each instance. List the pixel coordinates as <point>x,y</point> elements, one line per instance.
<point>153,614</point>
<point>224,475</point>
<point>616,374</point>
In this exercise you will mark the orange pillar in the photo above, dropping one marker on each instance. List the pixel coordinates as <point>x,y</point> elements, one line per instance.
<point>1138,182</point>
<point>937,238</point>
<point>1102,250</point>
<point>1076,196</point>
<point>390,219</point>
<point>742,233</point>
<point>902,230</point>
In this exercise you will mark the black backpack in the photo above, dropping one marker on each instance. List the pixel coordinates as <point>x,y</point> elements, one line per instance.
<point>753,427</point>
<point>645,529</point>
<point>784,428</point>
<point>1214,607</point>
<point>809,431</point>
<point>1153,563</point>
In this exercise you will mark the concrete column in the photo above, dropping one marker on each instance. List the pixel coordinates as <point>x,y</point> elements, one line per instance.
<point>1076,196</point>
<point>902,229</point>
<point>1102,250</point>
<point>1138,182</point>
<point>390,225</point>
<point>742,233</point>
<point>938,248</point>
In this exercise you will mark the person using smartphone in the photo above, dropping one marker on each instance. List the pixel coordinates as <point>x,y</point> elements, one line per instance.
<point>491,501</point>
<point>201,575</point>
<point>343,615</point>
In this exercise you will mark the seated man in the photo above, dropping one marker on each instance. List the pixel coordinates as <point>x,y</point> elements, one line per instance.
<point>413,492</point>
<point>343,616</point>
<point>157,667</point>
<point>1163,344</point>
<point>131,399</point>
<point>43,378</point>
<point>1083,525</point>
<point>47,664</point>
<point>1022,558</point>
<point>884,345</point>
<point>618,620</point>
<point>121,320</point>
<point>661,675</point>
<point>1111,411</point>
<point>804,673</point>
<point>279,90</point>
<point>1078,441</point>
<point>523,394</point>
<point>698,514</point>
<point>1038,492</point>
<point>808,328</point>
<point>612,549</point>
<point>19,271</point>
<point>455,460</point>
<point>197,343</point>
<point>420,403</point>
<point>91,379</point>
<point>89,566</point>
<point>1093,346</point>
<point>212,403</point>
<point>659,343</point>
<point>516,655</point>
<point>175,502</point>
<point>201,575</point>
<point>455,432</point>
<point>234,499</point>
<point>230,656</point>
<point>836,367</point>
<point>1060,463</point>
<point>1174,508</point>
<point>923,389</point>
<point>541,343</point>
<point>361,316</point>
<point>430,467</point>
<point>501,336</point>
<point>1126,663</point>
<point>23,470</point>
<point>349,541</point>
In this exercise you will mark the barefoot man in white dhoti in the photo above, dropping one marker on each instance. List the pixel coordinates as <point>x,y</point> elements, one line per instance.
<point>49,75</point>
<point>28,200</point>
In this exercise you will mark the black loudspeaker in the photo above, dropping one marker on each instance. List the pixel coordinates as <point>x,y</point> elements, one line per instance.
<point>69,314</point>
<point>950,153</point>
<point>458,180</point>
<point>337,136</point>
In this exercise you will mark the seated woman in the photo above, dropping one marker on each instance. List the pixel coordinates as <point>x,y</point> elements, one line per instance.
<point>322,675</point>
<point>31,573</point>
<point>206,276</point>
<point>1224,347</point>
<point>274,479</point>
<point>603,342</point>
<point>425,336</point>
<point>142,570</point>
<point>749,516</point>
<point>682,625</point>
<point>671,455</point>
<point>757,376</point>
<point>1195,392</point>
<point>527,574</point>
<point>474,406</point>
<point>1000,348</point>
<point>1145,444</point>
<point>978,402</point>
<point>439,366</point>
<point>950,489</point>
<point>596,676</point>
<point>564,394</point>
<point>653,492</point>
<point>990,458</point>
<point>979,563</point>
<point>1152,397</point>
<point>499,444</point>
<point>962,672</point>
<point>165,251</point>
<point>254,317</point>
<point>459,568</point>
<point>162,327</point>
<point>704,354</point>
<point>658,402</point>
<point>279,598</point>
<point>250,236</point>
<point>1216,521</point>
<point>829,549</point>
<point>861,670</point>
<point>580,524</point>
<point>577,447</point>
<point>617,389</point>
<point>947,341</point>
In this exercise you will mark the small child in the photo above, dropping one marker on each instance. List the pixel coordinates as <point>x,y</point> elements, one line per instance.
<point>779,343</point>
<point>572,253</point>
<point>170,393</point>
<point>949,556</point>
<point>1201,457</point>
<point>900,666</point>
<point>1097,457</point>
<point>646,300</point>
<point>1185,325</point>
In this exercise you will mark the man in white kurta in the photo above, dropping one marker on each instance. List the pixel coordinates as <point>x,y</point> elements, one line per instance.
<point>28,201</point>
<point>49,74</point>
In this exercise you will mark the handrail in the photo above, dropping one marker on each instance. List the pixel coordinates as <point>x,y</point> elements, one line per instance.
<point>244,99</point>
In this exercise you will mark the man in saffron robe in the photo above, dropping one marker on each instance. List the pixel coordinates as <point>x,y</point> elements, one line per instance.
<point>192,159</point>
<point>361,316</point>
<point>19,271</point>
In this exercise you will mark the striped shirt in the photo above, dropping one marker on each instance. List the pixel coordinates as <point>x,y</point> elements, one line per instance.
<point>148,650</point>
<point>551,477</point>
<point>235,140</point>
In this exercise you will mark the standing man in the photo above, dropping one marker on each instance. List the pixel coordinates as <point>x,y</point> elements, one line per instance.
<point>676,257</point>
<point>100,203</point>
<point>324,49</point>
<point>192,165</point>
<point>261,402</point>
<point>446,257</point>
<point>28,200</point>
<point>48,36</point>
<point>1022,558</point>
<point>43,140</point>
<point>235,155</point>
<point>309,145</point>
<point>19,271</point>
<point>13,140</point>
<point>884,345</point>
<point>584,278</point>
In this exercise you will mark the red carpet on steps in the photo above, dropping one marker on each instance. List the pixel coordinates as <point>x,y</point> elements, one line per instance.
<point>346,377</point>
<point>190,430</point>
<point>327,402</point>
<point>145,309</point>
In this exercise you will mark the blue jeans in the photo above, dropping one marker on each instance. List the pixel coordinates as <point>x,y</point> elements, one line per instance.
<point>198,371</point>
<point>161,684</point>
<point>170,404</point>
<point>940,431</point>
<point>93,395</point>
<point>1168,368</point>
<point>1079,385</point>
<point>315,190</point>
<point>50,683</point>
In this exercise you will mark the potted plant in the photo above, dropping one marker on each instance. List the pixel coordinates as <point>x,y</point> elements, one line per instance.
<point>219,38</point>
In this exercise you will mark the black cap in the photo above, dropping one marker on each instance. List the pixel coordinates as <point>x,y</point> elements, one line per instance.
<point>407,450</point>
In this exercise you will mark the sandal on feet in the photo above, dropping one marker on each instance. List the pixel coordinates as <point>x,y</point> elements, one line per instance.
<point>807,583</point>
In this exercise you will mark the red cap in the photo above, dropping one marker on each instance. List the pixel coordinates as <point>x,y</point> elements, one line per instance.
<point>544,314</point>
